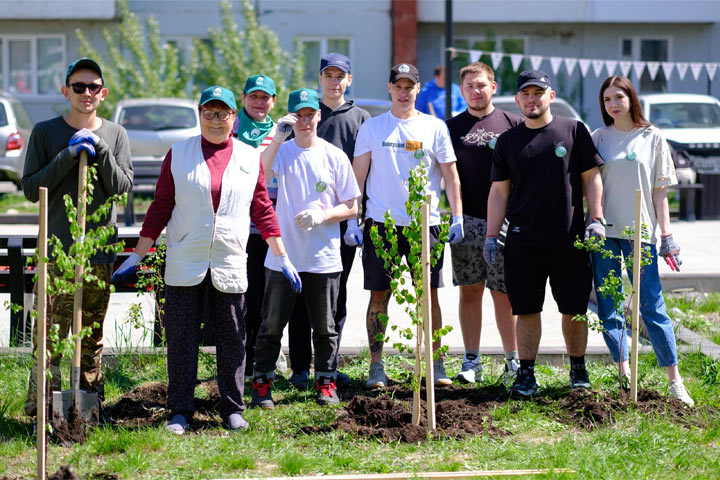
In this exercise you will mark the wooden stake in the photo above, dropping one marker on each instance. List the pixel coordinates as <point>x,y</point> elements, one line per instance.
<point>41,338</point>
<point>427,475</point>
<point>637,260</point>
<point>417,373</point>
<point>427,316</point>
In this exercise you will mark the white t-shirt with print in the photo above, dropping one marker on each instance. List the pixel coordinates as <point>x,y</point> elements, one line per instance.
<point>638,159</point>
<point>397,146</point>
<point>318,177</point>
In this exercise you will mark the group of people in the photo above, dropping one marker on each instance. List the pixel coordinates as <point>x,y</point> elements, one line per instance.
<point>263,217</point>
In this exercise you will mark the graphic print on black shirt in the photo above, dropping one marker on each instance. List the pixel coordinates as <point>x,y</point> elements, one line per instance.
<point>473,140</point>
<point>544,166</point>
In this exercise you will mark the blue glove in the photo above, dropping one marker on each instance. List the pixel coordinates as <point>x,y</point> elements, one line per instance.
<point>84,136</point>
<point>595,228</point>
<point>78,147</point>
<point>456,229</point>
<point>289,271</point>
<point>128,267</point>
<point>490,250</point>
<point>353,236</point>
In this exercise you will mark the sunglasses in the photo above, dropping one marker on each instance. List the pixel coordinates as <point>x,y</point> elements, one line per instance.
<point>93,88</point>
<point>221,115</point>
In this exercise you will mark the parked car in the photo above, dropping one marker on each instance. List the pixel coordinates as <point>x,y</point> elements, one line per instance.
<point>559,107</point>
<point>691,124</point>
<point>15,129</point>
<point>153,125</point>
<point>374,106</point>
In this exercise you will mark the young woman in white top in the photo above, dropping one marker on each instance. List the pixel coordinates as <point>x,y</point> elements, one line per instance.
<point>636,157</point>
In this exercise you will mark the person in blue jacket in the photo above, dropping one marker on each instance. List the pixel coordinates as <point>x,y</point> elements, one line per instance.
<point>431,99</point>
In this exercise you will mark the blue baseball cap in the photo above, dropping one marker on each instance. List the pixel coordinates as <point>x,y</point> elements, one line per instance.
<point>83,64</point>
<point>303,98</point>
<point>259,82</point>
<point>335,60</point>
<point>221,94</point>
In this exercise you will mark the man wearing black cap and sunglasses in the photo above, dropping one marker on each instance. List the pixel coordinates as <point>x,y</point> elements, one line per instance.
<point>540,170</point>
<point>52,161</point>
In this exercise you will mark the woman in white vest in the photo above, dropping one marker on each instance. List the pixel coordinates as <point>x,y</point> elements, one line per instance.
<point>210,188</point>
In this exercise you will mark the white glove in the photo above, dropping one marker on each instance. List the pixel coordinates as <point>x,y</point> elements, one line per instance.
<point>307,219</point>
<point>128,267</point>
<point>353,236</point>
<point>284,127</point>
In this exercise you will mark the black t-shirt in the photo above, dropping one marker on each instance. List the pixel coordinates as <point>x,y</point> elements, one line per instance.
<point>473,140</point>
<point>544,166</point>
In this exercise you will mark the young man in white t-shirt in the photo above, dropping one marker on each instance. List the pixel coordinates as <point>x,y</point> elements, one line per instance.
<point>387,148</point>
<point>316,190</point>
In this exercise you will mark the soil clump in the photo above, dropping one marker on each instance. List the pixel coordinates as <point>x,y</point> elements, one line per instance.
<point>65,472</point>
<point>69,431</point>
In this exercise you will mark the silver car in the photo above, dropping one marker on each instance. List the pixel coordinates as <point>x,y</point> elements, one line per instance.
<point>15,129</point>
<point>558,107</point>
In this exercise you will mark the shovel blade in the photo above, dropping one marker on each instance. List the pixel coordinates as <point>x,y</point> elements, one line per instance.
<point>88,406</point>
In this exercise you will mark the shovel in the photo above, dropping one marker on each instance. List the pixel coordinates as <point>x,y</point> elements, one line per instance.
<point>85,404</point>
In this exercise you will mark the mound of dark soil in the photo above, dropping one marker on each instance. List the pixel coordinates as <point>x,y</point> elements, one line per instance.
<point>66,472</point>
<point>71,430</point>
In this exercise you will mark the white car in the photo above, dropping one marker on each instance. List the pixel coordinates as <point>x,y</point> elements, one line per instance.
<point>690,123</point>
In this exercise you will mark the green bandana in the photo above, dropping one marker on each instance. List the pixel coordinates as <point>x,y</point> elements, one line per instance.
<point>251,131</point>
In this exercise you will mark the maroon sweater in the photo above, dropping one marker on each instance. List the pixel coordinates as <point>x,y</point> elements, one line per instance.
<point>217,157</point>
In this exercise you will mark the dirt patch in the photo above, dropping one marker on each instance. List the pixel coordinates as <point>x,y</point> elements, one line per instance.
<point>66,472</point>
<point>71,430</point>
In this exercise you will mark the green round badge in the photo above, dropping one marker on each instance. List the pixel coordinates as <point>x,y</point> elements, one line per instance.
<point>320,186</point>
<point>560,151</point>
<point>631,156</point>
<point>492,143</point>
<point>419,154</point>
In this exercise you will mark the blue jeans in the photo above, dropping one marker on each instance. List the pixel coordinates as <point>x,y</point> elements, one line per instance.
<point>652,306</point>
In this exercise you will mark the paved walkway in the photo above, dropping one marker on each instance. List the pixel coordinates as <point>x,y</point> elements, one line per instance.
<point>699,242</point>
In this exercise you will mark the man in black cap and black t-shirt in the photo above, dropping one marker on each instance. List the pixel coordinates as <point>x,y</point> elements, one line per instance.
<point>540,170</point>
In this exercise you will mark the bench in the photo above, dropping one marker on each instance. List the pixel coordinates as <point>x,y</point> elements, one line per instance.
<point>146,173</point>
<point>686,191</point>
<point>16,278</point>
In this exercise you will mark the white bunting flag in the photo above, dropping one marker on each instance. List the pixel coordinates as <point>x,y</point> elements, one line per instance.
<point>667,68</point>
<point>475,55</point>
<point>570,65</point>
<point>555,63</point>
<point>653,68</point>
<point>535,61</point>
<point>584,65</point>
<point>682,69</point>
<point>696,68</point>
<point>638,67</point>
<point>611,65</point>
<point>516,60</point>
<point>496,59</point>
<point>597,67</point>
<point>625,67</point>
<point>711,69</point>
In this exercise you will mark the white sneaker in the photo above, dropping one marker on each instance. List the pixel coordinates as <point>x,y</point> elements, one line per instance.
<point>441,378</point>
<point>471,371</point>
<point>376,376</point>
<point>677,390</point>
<point>511,368</point>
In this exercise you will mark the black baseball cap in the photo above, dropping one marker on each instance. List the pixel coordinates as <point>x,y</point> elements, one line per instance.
<point>533,77</point>
<point>83,64</point>
<point>335,60</point>
<point>404,70</point>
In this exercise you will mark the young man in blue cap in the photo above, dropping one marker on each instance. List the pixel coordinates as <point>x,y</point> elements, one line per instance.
<point>52,161</point>
<point>316,190</point>
<point>340,121</point>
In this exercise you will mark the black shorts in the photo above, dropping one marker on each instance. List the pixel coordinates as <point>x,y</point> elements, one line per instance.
<point>527,270</point>
<point>376,276</point>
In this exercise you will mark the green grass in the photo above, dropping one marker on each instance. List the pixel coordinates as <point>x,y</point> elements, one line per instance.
<point>636,445</point>
<point>698,312</point>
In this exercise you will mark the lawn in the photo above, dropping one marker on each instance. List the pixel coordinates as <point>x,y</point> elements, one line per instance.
<point>298,437</point>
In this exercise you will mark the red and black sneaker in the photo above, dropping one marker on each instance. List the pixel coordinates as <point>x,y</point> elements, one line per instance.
<point>326,391</point>
<point>261,392</point>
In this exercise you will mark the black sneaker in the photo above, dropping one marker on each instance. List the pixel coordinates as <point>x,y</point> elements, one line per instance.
<point>525,383</point>
<point>262,392</point>
<point>326,391</point>
<point>579,377</point>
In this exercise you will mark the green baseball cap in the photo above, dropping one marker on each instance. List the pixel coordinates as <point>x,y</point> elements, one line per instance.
<point>83,64</point>
<point>303,98</point>
<point>221,94</point>
<point>259,82</point>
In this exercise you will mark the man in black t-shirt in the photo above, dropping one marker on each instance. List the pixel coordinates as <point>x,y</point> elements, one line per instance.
<point>540,169</point>
<point>474,133</point>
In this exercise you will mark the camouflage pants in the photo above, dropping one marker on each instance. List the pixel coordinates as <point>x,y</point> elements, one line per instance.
<point>60,308</point>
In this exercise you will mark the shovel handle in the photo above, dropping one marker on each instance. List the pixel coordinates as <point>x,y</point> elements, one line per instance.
<point>41,339</point>
<point>79,270</point>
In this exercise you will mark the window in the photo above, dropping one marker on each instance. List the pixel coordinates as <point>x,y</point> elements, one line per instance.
<point>648,50</point>
<point>504,75</point>
<point>32,65</point>
<point>315,48</point>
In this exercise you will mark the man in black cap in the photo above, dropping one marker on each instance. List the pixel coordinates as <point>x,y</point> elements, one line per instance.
<point>388,147</point>
<point>52,161</point>
<point>540,170</point>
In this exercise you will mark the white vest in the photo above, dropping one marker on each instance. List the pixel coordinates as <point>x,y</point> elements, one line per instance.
<point>198,238</point>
